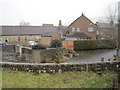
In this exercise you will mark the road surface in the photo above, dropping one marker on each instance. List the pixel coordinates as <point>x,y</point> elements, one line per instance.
<point>93,58</point>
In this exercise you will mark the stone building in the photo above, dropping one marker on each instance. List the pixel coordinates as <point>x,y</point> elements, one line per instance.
<point>22,34</point>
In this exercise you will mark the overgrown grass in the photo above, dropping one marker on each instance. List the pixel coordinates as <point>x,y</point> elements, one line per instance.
<point>18,79</point>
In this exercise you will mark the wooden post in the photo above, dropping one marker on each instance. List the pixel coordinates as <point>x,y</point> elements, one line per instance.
<point>118,38</point>
<point>118,42</point>
<point>102,59</point>
<point>118,46</point>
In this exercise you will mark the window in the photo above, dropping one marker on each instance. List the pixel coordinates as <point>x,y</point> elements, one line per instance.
<point>97,32</point>
<point>78,29</point>
<point>12,38</point>
<point>18,38</point>
<point>6,39</point>
<point>73,29</point>
<point>90,29</point>
<point>25,38</point>
<point>37,37</point>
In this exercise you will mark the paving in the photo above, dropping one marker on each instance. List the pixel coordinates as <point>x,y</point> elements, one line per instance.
<point>93,58</point>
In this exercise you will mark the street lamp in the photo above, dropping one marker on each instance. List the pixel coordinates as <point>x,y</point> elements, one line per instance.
<point>118,38</point>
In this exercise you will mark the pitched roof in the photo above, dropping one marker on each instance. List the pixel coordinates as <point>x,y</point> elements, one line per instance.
<point>80,17</point>
<point>105,25</point>
<point>64,29</point>
<point>29,30</point>
<point>48,25</point>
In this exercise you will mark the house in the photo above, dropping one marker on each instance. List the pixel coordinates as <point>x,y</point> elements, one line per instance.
<point>22,34</point>
<point>106,30</point>
<point>47,32</point>
<point>84,25</point>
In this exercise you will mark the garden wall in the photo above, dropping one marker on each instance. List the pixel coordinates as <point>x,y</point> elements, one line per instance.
<point>52,67</point>
<point>12,53</point>
<point>8,48</point>
<point>45,55</point>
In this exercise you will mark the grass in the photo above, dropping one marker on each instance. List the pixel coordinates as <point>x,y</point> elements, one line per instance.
<point>85,53</point>
<point>18,79</point>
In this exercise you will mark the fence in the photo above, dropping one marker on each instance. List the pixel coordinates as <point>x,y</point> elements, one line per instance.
<point>69,45</point>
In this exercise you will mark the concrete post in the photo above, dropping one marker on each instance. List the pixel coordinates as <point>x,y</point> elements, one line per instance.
<point>20,50</point>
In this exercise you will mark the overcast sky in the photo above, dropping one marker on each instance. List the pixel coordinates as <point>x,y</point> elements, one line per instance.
<point>38,12</point>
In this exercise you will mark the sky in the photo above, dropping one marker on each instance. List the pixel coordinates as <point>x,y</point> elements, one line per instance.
<point>38,12</point>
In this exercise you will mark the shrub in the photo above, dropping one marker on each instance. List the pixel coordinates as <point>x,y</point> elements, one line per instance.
<point>56,59</point>
<point>55,43</point>
<point>79,35</point>
<point>39,46</point>
<point>94,44</point>
<point>106,44</point>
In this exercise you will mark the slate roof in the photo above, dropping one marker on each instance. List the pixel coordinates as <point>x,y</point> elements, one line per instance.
<point>64,29</point>
<point>104,25</point>
<point>30,30</point>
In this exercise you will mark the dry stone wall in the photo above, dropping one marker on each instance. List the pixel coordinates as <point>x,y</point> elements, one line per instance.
<point>45,55</point>
<point>12,53</point>
<point>8,48</point>
<point>52,67</point>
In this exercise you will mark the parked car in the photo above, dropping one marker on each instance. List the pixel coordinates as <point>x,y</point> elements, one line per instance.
<point>32,43</point>
<point>1,43</point>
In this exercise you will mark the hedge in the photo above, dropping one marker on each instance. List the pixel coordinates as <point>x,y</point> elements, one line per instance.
<point>94,44</point>
<point>39,46</point>
<point>55,43</point>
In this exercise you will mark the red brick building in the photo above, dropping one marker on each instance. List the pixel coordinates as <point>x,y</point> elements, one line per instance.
<point>83,24</point>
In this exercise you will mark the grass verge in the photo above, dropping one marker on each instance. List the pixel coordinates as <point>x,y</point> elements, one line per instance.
<point>18,79</point>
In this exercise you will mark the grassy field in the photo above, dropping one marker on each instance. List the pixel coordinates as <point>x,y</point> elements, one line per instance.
<point>17,79</point>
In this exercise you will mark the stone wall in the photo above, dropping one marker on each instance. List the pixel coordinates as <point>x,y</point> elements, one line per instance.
<point>52,67</point>
<point>12,53</point>
<point>45,55</point>
<point>8,48</point>
<point>48,54</point>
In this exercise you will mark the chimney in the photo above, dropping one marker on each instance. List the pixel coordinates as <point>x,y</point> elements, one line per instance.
<point>60,23</point>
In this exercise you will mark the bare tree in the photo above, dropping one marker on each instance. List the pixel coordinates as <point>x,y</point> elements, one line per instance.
<point>111,18</point>
<point>24,23</point>
<point>109,21</point>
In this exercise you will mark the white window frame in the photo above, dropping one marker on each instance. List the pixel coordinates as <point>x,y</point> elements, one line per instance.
<point>25,37</point>
<point>73,29</point>
<point>78,29</point>
<point>37,37</point>
<point>90,29</point>
<point>6,38</point>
